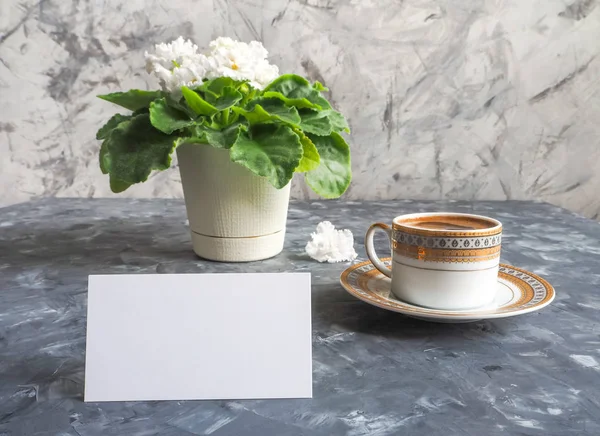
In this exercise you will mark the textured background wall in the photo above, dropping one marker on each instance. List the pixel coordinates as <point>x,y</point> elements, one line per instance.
<point>471,99</point>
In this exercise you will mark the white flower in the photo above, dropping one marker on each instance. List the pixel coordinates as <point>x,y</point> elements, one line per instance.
<point>241,61</point>
<point>264,74</point>
<point>330,245</point>
<point>171,55</point>
<point>179,64</point>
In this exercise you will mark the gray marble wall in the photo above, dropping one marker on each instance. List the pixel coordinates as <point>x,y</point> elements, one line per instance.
<point>471,99</point>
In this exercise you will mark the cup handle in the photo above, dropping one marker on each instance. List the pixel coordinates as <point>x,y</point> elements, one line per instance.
<point>370,247</point>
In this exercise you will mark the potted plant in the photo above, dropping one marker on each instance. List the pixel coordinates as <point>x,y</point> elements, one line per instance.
<point>241,131</point>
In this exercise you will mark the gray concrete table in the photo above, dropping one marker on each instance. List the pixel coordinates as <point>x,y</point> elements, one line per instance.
<point>375,372</point>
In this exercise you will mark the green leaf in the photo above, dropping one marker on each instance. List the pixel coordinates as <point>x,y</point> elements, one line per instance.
<point>197,103</point>
<point>338,121</point>
<point>264,110</point>
<point>216,85</point>
<point>296,91</point>
<point>133,99</point>
<point>167,119</point>
<point>222,92</point>
<point>310,156</point>
<point>319,86</point>
<point>104,158</point>
<point>110,125</point>
<point>133,150</point>
<point>269,150</point>
<point>117,186</point>
<point>315,122</point>
<point>227,99</point>
<point>287,84</point>
<point>226,137</point>
<point>333,176</point>
<point>295,102</point>
<point>217,138</point>
<point>322,102</point>
<point>179,104</point>
<point>248,93</point>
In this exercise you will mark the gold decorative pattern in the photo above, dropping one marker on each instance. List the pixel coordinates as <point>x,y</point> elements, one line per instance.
<point>457,234</point>
<point>455,243</point>
<point>465,226</point>
<point>527,292</point>
<point>457,221</point>
<point>535,293</point>
<point>443,255</point>
<point>549,290</point>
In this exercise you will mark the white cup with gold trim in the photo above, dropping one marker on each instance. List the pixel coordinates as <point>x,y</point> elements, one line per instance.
<point>442,260</point>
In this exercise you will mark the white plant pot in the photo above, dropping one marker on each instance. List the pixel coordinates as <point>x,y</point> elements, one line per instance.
<point>234,215</point>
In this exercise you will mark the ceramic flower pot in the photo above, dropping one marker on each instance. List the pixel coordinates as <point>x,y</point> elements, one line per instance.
<point>234,215</point>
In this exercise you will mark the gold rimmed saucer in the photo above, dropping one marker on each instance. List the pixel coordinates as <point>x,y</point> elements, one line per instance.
<point>518,292</point>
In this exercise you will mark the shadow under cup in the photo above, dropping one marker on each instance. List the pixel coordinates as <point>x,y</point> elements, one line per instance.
<point>445,260</point>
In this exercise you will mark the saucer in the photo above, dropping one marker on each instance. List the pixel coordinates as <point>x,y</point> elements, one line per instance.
<point>519,292</point>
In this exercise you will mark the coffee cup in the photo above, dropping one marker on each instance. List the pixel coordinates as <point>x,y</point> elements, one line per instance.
<point>445,261</point>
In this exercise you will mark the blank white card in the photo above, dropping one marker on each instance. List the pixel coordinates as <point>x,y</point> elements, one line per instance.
<point>198,336</point>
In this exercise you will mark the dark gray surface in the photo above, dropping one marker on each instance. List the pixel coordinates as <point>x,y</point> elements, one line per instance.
<point>375,372</point>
